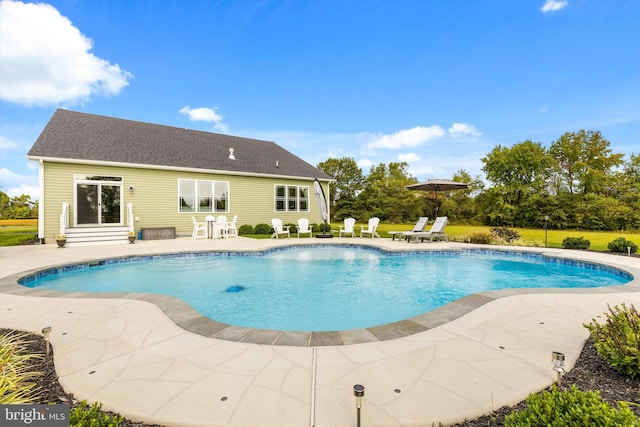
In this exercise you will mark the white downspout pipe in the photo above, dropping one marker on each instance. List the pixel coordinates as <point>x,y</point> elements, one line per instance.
<point>41,201</point>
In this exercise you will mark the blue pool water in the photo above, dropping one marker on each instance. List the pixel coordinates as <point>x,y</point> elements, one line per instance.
<point>324,288</point>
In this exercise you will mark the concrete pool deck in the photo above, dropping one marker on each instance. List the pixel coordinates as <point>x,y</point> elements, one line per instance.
<point>472,356</point>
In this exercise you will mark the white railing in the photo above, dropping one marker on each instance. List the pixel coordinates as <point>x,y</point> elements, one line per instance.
<point>64,218</point>
<point>130,219</point>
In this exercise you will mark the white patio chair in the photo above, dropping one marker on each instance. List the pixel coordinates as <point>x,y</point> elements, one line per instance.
<point>348,227</point>
<point>220,227</point>
<point>371,227</point>
<point>303,227</point>
<point>210,219</point>
<point>279,229</point>
<point>199,229</point>
<point>232,228</point>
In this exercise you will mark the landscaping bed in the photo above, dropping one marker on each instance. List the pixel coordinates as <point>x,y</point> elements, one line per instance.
<point>591,372</point>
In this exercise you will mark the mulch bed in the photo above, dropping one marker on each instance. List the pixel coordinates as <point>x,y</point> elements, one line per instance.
<point>591,372</point>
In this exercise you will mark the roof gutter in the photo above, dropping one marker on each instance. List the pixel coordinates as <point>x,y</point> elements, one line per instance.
<point>169,168</point>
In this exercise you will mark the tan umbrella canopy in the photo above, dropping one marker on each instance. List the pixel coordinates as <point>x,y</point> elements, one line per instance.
<point>437,185</point>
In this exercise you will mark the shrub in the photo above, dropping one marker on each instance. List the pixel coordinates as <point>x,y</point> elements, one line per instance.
<point>480,237</point>
<point>571,407</point>
<point>618,340</point>
<point>85,415</point>
<point>505,234</point>
<point>576,243</point>
<point>293,228</point>
<point>17,381</point>
<point>246,229</point>
<point>263,229</point>
<point>621,244</point>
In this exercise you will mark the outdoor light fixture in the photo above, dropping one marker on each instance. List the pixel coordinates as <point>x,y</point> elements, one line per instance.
<point>46,331</point>
<point>358,392</point>
<point>546,220</point>
<point>131,189</point>
<point>557,359</point>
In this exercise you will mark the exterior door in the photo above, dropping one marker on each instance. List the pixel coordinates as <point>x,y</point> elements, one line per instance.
<point>98,203</point>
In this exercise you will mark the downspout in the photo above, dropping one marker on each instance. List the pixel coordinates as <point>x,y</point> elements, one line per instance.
<point>41,202</point>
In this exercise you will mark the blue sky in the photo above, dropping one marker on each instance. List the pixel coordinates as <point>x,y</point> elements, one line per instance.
<point>435,83</point>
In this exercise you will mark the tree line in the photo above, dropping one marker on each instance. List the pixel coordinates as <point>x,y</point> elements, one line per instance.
<point>577,182</point>
<point>18,207</point>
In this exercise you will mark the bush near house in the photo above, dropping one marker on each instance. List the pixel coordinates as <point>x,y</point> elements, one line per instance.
<point>246,229</point>
<point>264,229</point>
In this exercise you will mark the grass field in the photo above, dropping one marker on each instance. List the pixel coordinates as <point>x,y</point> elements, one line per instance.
<point>599,239</point>
<point>16,232</point>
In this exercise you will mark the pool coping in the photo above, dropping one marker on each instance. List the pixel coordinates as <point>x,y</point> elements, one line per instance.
<point>187,318</point>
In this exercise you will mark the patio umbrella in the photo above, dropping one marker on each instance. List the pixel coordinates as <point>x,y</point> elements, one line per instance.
<point>322,204</point>
<point>437,185</point>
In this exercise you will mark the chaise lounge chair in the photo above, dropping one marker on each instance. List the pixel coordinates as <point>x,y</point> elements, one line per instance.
<point>418,228</point>
<point>437,231</point>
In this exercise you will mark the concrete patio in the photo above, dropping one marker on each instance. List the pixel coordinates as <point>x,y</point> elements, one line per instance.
<point>153,359</point>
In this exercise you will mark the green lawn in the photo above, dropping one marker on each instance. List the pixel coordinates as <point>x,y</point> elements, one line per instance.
<point>599,239</point>
<point>14,235</point>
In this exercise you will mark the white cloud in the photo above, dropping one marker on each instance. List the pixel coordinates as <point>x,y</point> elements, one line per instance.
<point>365,164</point>
<point>203,114</point>
<point>461,129</point>
<point>6,143</point>
<point>15,185</point>
<point>45,60</point>
<point>543,109</point>
<point>408,138</point>
<point>553,5</point>
<point>409,157</point>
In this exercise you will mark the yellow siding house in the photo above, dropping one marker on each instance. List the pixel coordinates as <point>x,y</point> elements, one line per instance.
<point>103,177</point>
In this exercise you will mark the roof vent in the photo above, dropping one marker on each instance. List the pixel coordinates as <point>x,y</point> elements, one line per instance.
<point>277,164</point>
<point>231,155</point>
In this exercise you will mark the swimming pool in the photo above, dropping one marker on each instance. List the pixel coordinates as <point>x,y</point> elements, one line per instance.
<point>323,288</point>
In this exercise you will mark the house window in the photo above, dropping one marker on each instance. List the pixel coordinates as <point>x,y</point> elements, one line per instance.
<point>291,198</point>
<point>203,196</point>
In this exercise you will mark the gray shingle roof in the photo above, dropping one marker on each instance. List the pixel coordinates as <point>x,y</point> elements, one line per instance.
<point>80,136</point>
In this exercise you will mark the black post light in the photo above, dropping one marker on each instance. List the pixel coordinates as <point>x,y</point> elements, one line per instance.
<point>546,221</point>
<point>358,392</point>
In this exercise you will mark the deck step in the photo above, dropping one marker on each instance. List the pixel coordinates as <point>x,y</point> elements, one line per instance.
<point>91,236</point>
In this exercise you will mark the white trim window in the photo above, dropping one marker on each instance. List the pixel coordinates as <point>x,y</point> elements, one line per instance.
<point>291,198</point>
<point>203,196</point>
